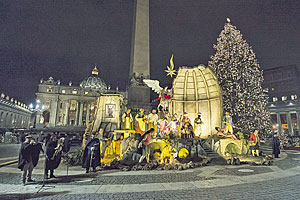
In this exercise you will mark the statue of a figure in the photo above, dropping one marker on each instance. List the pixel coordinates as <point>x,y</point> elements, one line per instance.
<point>186,127</point>
<point>152,120</point>
<point>227,120</point>
<point>141,120</point>
<point>164,94</point>
<point>127,120</point>
<point>133,79</point>
<point>198,126</point>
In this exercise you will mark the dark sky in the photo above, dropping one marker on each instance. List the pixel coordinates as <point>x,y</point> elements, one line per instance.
<point>66,38</point>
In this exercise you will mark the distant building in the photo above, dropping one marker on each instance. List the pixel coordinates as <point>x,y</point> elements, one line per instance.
<point>14,114</point>
<point>284,89</point>
<point>69,107</point>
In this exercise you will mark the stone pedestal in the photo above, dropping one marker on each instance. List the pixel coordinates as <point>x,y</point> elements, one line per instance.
<point>139,97</point>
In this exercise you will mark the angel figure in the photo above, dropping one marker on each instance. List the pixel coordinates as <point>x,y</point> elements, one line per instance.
<point>164,94</point>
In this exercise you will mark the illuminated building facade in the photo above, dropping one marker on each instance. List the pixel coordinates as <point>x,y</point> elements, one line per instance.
<point>69,107</point>
<point>284,89</point>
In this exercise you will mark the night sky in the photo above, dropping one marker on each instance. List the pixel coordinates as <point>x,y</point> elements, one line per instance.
<point>66,38</point>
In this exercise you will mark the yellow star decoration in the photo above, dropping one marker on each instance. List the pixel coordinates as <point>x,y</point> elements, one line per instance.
<point>170,70</point>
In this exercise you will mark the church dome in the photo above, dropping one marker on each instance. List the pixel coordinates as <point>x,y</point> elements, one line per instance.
<point>94,82</point>
<point>196,89</point>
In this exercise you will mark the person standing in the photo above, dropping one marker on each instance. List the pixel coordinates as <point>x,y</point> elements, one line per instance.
<point>91,154</point>
<point>227,120</point>
<point>127,120</point>
<point>53,157</point>
<point>37,149</point>
<point>144,144</point>
<point>141,120</point>
<point>25,159</point>
<point>198,126</point>
<point>254,143</point>
<point>152,120</point>
<point>22,137</point>
<point>276,145</point>
<point>102,144</point>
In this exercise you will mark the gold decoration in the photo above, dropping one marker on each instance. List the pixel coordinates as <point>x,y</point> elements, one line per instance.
<point>170,70</point>
<point>95,71</point>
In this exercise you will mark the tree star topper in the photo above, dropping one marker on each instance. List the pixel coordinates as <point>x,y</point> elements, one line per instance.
<point>170,70</point>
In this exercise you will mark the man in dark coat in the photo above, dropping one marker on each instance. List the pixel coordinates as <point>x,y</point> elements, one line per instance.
<point>25,159</point>
<point>91,154</point>
<point>37,148</point>
<point>52,161</point>
<point>276,145</point>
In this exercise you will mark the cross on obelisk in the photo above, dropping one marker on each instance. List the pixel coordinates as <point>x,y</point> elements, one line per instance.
<point>138,93</point>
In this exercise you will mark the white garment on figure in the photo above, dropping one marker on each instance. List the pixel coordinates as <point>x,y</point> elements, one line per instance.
<point>173,126</point>
<point>198,130</point>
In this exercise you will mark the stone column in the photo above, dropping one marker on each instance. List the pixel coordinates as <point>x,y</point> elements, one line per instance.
<point>67,106</point>
<point>140,55</point>
<point>298,121</point>
<point>87,117</point>
<point>80,114</point>
<point>76,115</point>
<point>53,111</point>
<point>289,121</point>
<point>279,123</point>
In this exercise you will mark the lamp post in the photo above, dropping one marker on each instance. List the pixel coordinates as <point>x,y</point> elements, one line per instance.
<point>36,108</point>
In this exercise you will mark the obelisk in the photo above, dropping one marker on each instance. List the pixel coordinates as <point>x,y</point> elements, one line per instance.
<point>139,93</point>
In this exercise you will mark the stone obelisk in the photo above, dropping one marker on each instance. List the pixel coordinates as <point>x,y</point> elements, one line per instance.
<point>138,93</point>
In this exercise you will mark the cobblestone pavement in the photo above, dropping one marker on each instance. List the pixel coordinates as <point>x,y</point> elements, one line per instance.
<point>279,181</point>
<point>9,178</point>
<point>285,188</point>
<point>9,150</point>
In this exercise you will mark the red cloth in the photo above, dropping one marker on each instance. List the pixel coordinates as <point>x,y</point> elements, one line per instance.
<point>146,142</point>
<point>166,96</point>
<point>253,138</point>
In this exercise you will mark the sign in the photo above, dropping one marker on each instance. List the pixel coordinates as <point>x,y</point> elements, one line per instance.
<point>285,126</point>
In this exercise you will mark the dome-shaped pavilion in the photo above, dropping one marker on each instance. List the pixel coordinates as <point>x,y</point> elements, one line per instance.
<point>196,89</point>
<point>94,82</point>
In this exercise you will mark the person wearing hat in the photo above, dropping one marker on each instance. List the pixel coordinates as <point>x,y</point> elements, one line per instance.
<point>198,126</point>
<point>25,159</point>
<point>91,154</point>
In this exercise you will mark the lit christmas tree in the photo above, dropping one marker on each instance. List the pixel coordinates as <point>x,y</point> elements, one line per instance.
<point>240,79</point>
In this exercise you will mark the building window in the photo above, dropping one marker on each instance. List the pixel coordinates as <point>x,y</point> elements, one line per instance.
<point>284,124</point>
<point>63,91</point>
<point>294,120</point>
<point>274,121</point>
<point>273,89</point>
<point>284,98</point>
<point>86,92</point>
<point>293,97</point>
<point>275,99</point>
<point>49,89</point>
<point>74,91</point>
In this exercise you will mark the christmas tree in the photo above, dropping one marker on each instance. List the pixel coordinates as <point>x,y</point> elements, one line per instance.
<point>240,79</point>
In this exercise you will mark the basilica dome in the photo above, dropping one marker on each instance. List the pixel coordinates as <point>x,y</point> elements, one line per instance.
<point>94,82</point>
